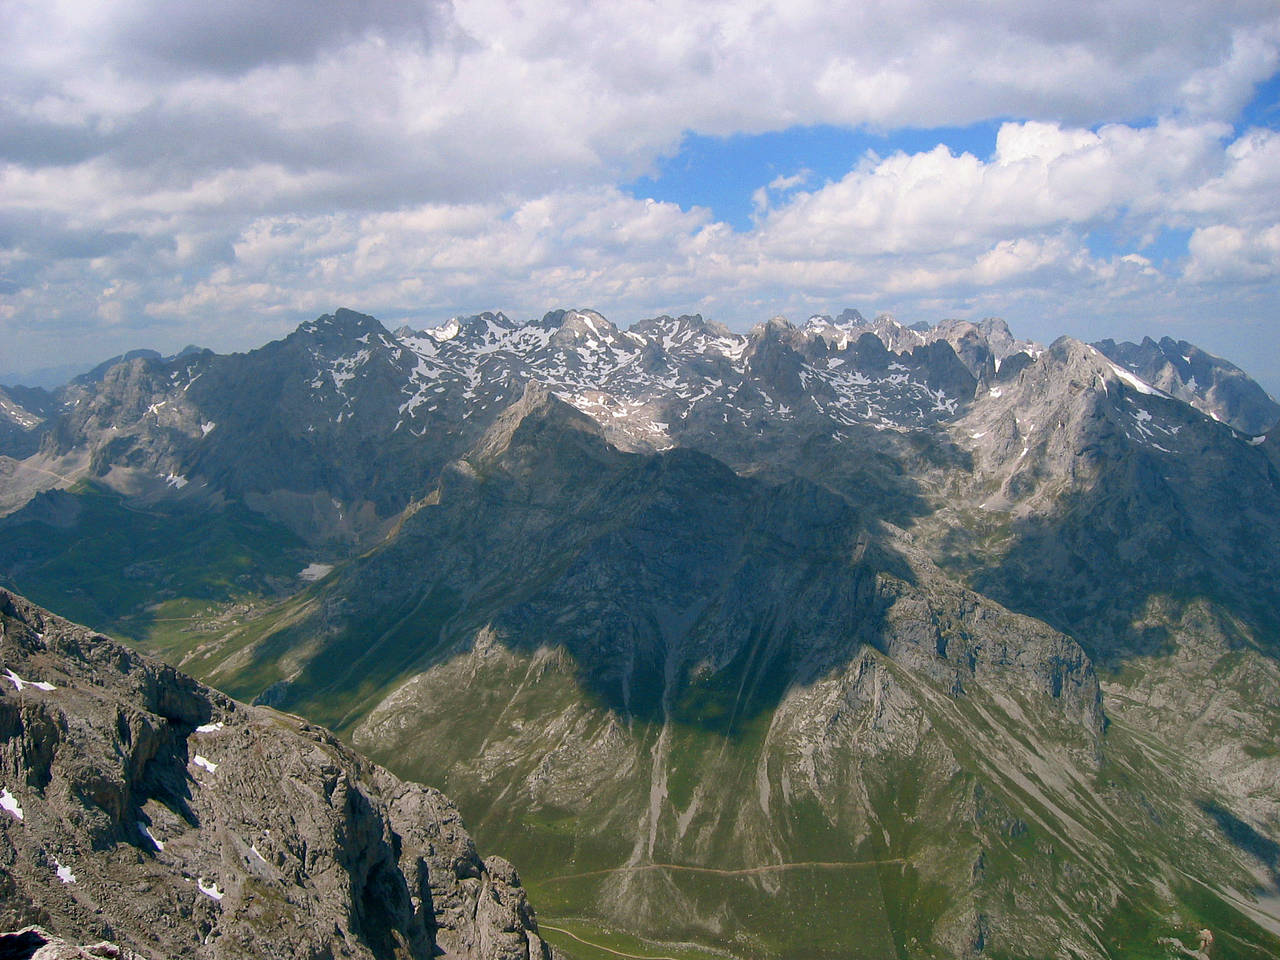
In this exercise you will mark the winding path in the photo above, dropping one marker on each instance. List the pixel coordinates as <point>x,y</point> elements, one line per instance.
<point>616,953</point>
<point>740,872</point>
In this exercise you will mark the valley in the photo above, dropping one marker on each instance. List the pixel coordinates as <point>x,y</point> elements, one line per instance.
<point>841,640</point>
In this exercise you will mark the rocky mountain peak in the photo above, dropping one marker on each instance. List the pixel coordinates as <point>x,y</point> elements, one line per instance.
<point>772,358</point>
<point>342,325</point>
<point>1063,420</point>
<point>885,327</point>
<point>775,328</point>
<point>538,416</point>
<point>481,328</point>
<point>1065,371</point>
<point>821,325</point>
<point>679,331</point>
<point>1002,342</point>
<point>100,371</point>
<point>1212,385</point>
<point>579,326</point>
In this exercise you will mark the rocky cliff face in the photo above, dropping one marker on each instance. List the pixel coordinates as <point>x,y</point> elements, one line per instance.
<point>141,807</point>
<point>1218,388</point>
<point>1090,492</point>
<point>23,412</point>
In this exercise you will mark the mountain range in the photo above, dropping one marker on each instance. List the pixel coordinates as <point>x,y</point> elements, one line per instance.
<point>849,639</point>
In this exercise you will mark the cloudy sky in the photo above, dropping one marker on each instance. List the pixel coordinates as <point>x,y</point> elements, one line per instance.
<point>178,172</point>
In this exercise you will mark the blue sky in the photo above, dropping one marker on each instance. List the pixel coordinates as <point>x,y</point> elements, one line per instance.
<point>723,173</point>
<point>175,173</point>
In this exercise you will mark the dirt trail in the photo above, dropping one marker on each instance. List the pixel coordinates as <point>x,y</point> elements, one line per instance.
<point>740,872</point>
<point>616,953</point>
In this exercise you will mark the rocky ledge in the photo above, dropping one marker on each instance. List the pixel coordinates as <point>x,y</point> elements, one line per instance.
<point>140,807</point>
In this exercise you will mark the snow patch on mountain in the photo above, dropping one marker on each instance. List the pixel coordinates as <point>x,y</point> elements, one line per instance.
<point>19,683</point>
<point>9,804</point>
<point>1138,384</point>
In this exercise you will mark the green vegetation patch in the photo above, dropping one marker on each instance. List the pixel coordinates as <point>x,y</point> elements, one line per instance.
<point>143,574</point>
<point>356,666</point>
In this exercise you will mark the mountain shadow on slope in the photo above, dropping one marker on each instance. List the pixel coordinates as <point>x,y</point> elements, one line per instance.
<point>658,573</point>
<point>1117,534</point>
<point>300,418</point>
<point>1246,837</point>
<point>114,566</point>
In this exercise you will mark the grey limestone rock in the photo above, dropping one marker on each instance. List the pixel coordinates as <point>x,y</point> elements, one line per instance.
<point>1210,384</point>
<point>35,943</point>
<point>141,807</point>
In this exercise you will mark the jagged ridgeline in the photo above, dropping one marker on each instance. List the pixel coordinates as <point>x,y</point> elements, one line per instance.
<point>846,640</point>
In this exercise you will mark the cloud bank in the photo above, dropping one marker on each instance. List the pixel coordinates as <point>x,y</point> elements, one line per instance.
<point>170,173</point>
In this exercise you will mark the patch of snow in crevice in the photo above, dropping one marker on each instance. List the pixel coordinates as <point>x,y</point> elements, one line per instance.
<point>344,368</point>
<point>150,836</point>
<point>1138,384</point>
<point>210,890</point>
<point>9,803</point>
<point>254,850</point>
<point>207,427</point>
<point>63,873</point>
<point>19,683</point>
<point>176,480</point>
<point>209,727</point>
<point>208,764</point>
<point>1254,441</point>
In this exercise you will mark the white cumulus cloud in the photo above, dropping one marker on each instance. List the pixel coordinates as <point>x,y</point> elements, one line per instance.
<point>175,172</point>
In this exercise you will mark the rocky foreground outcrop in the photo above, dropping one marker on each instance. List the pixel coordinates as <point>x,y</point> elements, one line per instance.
<point>140,807</point>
